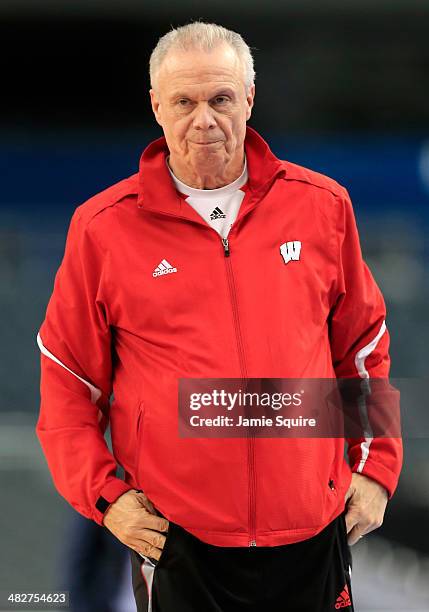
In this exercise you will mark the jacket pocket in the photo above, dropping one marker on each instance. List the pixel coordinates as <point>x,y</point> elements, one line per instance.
<point>139,439</point>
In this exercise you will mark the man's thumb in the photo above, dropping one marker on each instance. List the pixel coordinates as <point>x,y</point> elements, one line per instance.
<point>349,493</point>
<point>145,502</point>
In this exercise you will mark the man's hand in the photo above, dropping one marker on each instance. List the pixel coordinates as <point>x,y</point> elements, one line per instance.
<point>366,502</point>
<point>133,520</point>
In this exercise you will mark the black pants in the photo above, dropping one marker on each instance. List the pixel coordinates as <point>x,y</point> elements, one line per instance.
<point>192,576</point>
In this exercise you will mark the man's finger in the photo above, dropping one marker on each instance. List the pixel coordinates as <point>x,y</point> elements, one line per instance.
<point>352,519</point>
<point>157,523</point>
<point>355,534</point>
<point>146,549</point>
<point>155,538</point>
<point>348,494</point>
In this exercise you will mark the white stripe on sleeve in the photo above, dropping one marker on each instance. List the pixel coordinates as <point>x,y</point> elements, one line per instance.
<point>360,357</point>
<point>95,393</point>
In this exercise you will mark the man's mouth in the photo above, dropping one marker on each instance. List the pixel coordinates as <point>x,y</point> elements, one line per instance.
<point>209,142</point>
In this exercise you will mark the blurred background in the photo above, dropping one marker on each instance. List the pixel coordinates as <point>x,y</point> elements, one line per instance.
<point>342,87</point>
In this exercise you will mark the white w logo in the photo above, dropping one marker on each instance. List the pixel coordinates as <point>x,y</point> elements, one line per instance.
<point>290,250</point>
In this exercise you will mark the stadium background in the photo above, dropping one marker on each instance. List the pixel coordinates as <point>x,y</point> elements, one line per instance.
<point>342,87</point>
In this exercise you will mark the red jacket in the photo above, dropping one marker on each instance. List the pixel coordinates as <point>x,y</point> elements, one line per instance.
<point>112,325</point>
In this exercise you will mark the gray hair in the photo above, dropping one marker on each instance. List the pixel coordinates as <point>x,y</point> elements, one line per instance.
<point>205,37</point>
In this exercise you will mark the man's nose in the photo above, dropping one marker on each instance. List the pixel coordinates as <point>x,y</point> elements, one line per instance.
<point>204,118</point>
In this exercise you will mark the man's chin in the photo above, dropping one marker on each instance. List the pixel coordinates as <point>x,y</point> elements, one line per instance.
<point>208,160</point>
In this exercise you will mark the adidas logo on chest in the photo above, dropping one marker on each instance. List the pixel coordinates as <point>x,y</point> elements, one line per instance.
<point>163,268</point>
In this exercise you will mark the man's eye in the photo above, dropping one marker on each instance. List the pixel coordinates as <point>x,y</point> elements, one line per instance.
<point>183,102</point>
<point>221,100</point>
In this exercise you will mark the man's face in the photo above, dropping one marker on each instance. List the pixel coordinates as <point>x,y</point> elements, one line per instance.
<point>201,102</point>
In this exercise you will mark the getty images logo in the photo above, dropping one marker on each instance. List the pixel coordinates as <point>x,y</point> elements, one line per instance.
<point>291,250</point>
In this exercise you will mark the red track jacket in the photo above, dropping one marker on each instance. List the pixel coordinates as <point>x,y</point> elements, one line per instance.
<point>231,310</point>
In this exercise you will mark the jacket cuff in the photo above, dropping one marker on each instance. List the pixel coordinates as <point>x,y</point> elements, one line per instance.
<point>378,472</point>
<point>107,495</point>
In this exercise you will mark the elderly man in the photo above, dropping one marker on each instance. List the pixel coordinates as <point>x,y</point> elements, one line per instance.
<point>216,260</point>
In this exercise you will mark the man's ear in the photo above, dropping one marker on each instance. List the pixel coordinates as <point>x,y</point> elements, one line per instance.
<point>156,105</point>
<point>250,101</point>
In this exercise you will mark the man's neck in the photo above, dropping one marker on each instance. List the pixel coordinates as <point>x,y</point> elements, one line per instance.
<point>206,178</point>
<point>218,192</point>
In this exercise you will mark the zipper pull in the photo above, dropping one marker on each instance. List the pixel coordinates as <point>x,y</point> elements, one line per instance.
<point>252,543</point>
<point>225,246</point>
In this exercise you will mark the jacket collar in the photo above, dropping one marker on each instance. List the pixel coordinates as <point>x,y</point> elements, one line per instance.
<point>156,189</point>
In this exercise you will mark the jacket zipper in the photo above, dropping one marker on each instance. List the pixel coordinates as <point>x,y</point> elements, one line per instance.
<point>250,438</point>
<point>225,243</point>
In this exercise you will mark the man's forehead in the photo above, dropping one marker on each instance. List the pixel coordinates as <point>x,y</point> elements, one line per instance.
<point>200,68</point>
<point>205,85</point>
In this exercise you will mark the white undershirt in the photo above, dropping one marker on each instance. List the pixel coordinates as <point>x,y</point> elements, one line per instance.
<point>218,207</point>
